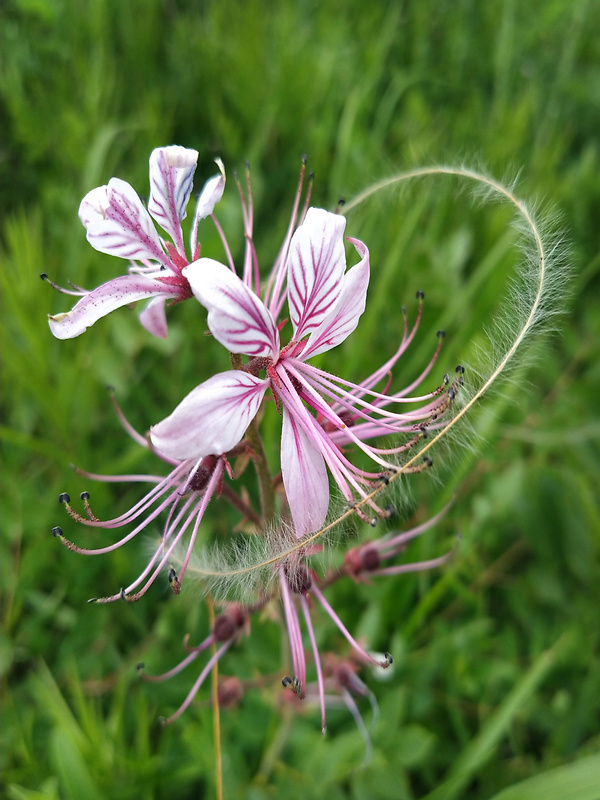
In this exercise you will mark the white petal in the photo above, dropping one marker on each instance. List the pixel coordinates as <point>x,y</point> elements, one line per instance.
<point>316,263</point>
<point>304,477</point>
<point>101,301</point>
<point>211,193</point>
<point>213,418</point>
<point>343,318</point>
<point>118,224</point>
<point>171,180</point>
<point>237,317</point>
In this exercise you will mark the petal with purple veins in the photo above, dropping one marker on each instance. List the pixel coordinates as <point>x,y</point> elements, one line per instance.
<point>343,318</point>
<point>171,179</point>
<point>118,224</point>
<point>101,301</point>
<point>237,317</point>
<point>213,418</point>
<point>316,264</point>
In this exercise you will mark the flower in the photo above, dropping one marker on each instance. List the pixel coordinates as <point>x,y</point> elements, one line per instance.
<point>325,304</point>
<point>118,223</point>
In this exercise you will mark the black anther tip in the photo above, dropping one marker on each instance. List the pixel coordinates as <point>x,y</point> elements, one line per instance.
<point>424,431</point>
<point>341,202</point>
<point>373,522</point>
<point>460,370</point>
<point>428,461</point>
<point>311,175</point>
<point>122,594</point>
<point>44,276</point>
<point>420,295</point>
<point>389,658</point>
<point>93,600</point>
<point>140,666</point>
<point>390,511</point>
<point>56,531</point>
<point>446,379</point>
<point>110,389</point>
<point>451,393</point>
<point>63,497</point>
<point>285,682</point>
<point>85,495</point>
<point>304,158</point>
<point>440,334</point>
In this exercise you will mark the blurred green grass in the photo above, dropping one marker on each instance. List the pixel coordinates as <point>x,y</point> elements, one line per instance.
<point>497,660</point>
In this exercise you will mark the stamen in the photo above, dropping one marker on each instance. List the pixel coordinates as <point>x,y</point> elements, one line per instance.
<point>174,582</point>
<point>85,496</point>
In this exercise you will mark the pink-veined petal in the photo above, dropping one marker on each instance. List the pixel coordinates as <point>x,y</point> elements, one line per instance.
<point>154,317</point>
<point>213,418</point>
<point>316,263</point>
<point>211,193</point>
<point>171,179</point>
<point>101,301</point>
<point>237,317</point>
<point>118,224</point>
<point>343,318</point>
<point>304,477</point>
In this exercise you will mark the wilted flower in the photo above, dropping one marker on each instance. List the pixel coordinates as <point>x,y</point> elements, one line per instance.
<point>118,223</point>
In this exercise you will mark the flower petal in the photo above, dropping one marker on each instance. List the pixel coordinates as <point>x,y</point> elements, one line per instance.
<point>101,301</point>
<point>213,418</point>
<point>316,264</point>
<point>343,318</point>
<point>154,318</point>
<point>211,193</point>
<point>171,180</point>
<point>236,316</point>
<point>118,224</point>
<point>304,477</point>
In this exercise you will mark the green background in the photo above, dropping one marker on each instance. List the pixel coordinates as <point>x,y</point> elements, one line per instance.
<point>496,678</point>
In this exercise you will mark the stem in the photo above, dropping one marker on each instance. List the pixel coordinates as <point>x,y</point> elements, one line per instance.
<point>215,707</point>
<point>265,480</point>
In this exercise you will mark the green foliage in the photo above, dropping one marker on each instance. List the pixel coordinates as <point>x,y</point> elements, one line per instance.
<point>496,674</point>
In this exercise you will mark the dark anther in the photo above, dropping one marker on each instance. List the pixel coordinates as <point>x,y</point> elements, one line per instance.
<point>123,595</point>
<point>424,431</point>
<point>140,666</point>
<point>93,600</point>
<point>460,369</point>
<point>311,176</point>
<point>452,393</point>
<point>172,575</point>
<point>428,461</point>
<point>162,721</point>
<point>390,511</point>
<point>110,388</point>
<point>384,479</point>
<point>85,495</point>
<point>446,379</point>
<point>296,685</point>
<point>64,498</point>
<point>420,295</point>
<point>247,164</point>
<point>388,658</point>
<point>286,682</point>
<point>441,334</point>
<point>44,276</point>
<point>304,159</point>
<point>373,522</point>
<point>341,202</point>
<point>57,531</point>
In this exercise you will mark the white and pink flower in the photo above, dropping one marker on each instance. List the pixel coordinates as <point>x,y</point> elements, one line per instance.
<point>320,411</point>
<point>118,223</point>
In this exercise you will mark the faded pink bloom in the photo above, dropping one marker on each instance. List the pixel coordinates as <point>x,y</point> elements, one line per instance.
<point>118,223</point>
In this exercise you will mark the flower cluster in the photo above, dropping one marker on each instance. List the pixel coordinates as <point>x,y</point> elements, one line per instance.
<point>309,302</point>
